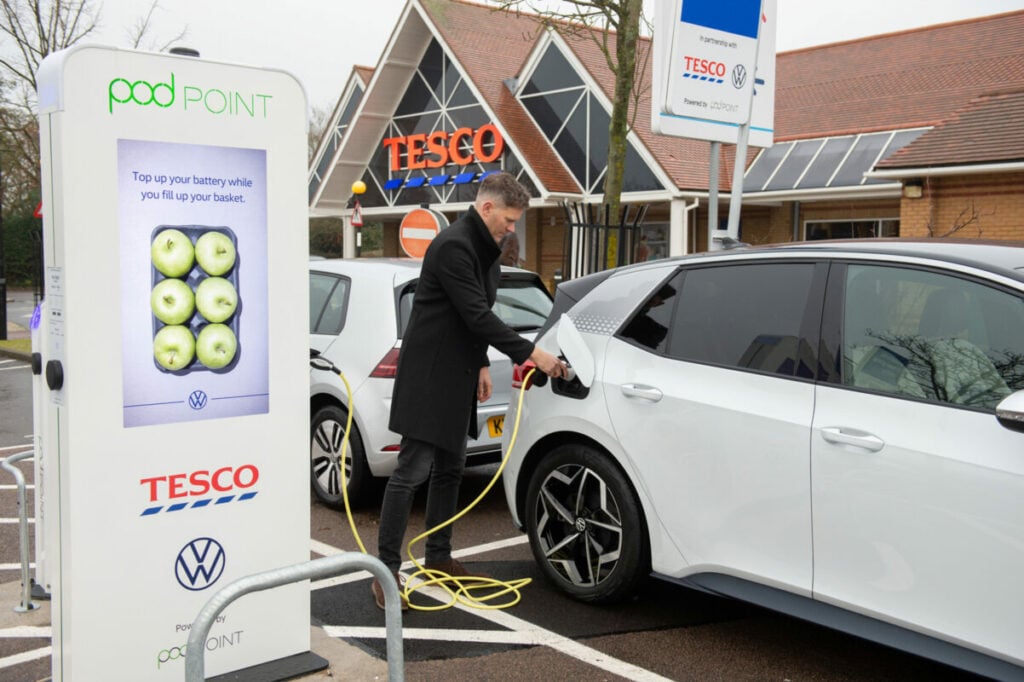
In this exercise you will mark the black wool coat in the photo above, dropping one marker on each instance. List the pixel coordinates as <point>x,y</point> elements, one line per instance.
<point>450,328</point>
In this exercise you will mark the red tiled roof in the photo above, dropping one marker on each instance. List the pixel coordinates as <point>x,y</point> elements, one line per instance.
<point>489,56</point>
<point>989,129</point>
<point>898,80</point>
<point>365,73</point>
<point>914,78</point>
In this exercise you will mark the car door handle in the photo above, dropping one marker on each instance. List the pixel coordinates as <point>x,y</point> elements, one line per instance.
<point>641,391</point>
<point>860,439</point>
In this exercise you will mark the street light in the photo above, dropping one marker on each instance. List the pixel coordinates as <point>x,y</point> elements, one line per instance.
<point>358,188</point>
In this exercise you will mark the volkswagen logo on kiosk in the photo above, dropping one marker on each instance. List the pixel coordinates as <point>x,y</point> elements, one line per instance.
<point>200,564</point>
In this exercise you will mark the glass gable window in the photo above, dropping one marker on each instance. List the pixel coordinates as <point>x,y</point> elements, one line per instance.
<point>323,162</point>
<point>824,162</point>
<point>576,125</point>
<point>437,99</point>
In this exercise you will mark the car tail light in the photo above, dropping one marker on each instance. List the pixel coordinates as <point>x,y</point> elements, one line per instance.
<point>519,373</point>
<point>387,368</point>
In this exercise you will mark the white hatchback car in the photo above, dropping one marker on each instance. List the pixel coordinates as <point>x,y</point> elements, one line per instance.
<point>833,430</point>
<point>358,311</point>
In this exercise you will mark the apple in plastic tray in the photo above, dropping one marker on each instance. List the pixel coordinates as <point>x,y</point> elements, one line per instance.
<point>195,289</point>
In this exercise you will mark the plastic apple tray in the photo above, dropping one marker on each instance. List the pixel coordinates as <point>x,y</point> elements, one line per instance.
<point>193,278</point>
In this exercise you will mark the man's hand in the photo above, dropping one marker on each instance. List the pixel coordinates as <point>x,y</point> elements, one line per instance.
<point>548,363</point>
<point>484,386</point>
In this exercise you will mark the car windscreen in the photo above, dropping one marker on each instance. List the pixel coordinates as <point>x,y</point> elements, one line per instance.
<point>521,302</point>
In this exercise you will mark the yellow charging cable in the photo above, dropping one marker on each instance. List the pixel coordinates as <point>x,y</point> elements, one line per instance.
<point>463,590</point>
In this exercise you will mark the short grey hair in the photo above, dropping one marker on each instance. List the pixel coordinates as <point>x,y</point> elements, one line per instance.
<point>504,189</point>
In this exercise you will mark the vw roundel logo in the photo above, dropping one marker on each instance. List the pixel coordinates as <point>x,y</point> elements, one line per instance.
<point>197,400</point>
<point>739,76</point>
<point>200,564</point>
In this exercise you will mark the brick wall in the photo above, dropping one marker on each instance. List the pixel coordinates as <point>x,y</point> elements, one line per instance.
<point>968,207</point>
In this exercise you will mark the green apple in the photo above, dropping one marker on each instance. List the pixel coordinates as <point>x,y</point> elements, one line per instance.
<point>172,301</point>
<point>215,253</point>
<point>216,299</point>
<point>172,253</point>
<point>174,347</point>
<point>216,345</point>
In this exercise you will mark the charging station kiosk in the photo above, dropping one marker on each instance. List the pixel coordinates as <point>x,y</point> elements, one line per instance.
<point>176,459</point>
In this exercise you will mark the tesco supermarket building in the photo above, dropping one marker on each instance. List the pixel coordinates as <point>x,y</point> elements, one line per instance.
<point>909,134</point>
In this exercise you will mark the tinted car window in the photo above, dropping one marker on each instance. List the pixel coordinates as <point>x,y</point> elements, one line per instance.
<point>649,326</point>
<point>747,316</point>
<point>930,336</point>
<point>328,298</point>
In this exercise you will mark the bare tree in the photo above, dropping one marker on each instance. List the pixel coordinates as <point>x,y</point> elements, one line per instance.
<point>597,19</point>
<point>319,118</point>
<point>32,30</point>
<point>969,215</point>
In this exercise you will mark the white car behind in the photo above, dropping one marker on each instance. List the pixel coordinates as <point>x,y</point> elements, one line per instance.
<point>359,309</point>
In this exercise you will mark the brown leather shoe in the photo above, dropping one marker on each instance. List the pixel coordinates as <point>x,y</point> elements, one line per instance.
<point>378,592</point>
<point>455,569</point>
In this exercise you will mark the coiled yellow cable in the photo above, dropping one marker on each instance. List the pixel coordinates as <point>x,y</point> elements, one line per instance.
<point>473,591</point>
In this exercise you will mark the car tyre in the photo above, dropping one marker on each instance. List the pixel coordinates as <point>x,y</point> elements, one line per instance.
<point>327,432</point>
<point>585,525</point>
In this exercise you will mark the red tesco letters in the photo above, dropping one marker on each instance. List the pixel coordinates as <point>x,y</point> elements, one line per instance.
<point>201,482</point>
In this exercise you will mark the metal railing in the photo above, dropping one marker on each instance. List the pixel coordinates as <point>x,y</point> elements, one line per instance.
<point>26,585</point>
<point>195,652</point>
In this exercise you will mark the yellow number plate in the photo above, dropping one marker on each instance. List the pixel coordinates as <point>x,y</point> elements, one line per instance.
<point>495,426</point>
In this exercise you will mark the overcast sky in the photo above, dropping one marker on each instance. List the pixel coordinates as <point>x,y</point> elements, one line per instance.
<point>319,41</point>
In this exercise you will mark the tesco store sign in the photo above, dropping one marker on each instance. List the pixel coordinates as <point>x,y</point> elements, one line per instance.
<point>440,148</point>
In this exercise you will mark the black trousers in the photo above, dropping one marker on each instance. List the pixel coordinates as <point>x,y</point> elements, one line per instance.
<point>418,461</point>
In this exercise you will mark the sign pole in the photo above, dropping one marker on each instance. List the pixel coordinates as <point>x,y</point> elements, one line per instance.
<point>716,152</point>
<point>736,189</point>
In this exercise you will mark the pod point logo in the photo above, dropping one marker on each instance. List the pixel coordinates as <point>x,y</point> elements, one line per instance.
<point>200,564</point>
<point>164,94</point>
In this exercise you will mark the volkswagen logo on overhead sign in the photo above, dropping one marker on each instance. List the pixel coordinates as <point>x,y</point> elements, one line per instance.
<point>200,564</point>
<point>739,76</point>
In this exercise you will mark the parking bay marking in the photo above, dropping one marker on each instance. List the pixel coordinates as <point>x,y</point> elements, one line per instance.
<point>516,630</point>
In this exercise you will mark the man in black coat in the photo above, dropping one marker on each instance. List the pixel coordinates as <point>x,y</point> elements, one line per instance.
<point>443,370</point>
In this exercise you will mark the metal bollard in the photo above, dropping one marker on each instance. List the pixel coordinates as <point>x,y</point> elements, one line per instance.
<point>26,586</point>
<point>195,652</point>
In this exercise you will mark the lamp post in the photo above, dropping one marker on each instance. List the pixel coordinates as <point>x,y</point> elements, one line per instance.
<point>358,188</point>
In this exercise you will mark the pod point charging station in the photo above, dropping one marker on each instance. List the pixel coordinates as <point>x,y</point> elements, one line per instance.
<point>175,357</point>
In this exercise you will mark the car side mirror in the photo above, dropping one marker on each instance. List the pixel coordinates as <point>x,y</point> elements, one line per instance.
<point>1010,411</point>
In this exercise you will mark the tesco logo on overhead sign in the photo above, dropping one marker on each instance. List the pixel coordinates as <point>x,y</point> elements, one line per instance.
<point>704,67</point>
<point>226,484</point>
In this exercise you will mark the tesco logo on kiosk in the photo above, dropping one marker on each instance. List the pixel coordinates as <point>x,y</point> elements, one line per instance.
<point>230,484</point>
<point>440,148</point>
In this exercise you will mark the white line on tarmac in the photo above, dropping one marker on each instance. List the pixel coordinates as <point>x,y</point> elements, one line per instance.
<point>27,631</point>
<point>25,657</point>
<point>12,567</point>
<point>475,636</point>
<point>520,628</point>
<point>324,549</point>
<point>26,448</point>
<point>7,369</point>
<point>14,486</point>
<point>31,520</point>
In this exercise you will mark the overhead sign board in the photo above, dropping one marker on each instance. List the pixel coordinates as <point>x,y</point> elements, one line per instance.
<point>704,69</point>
